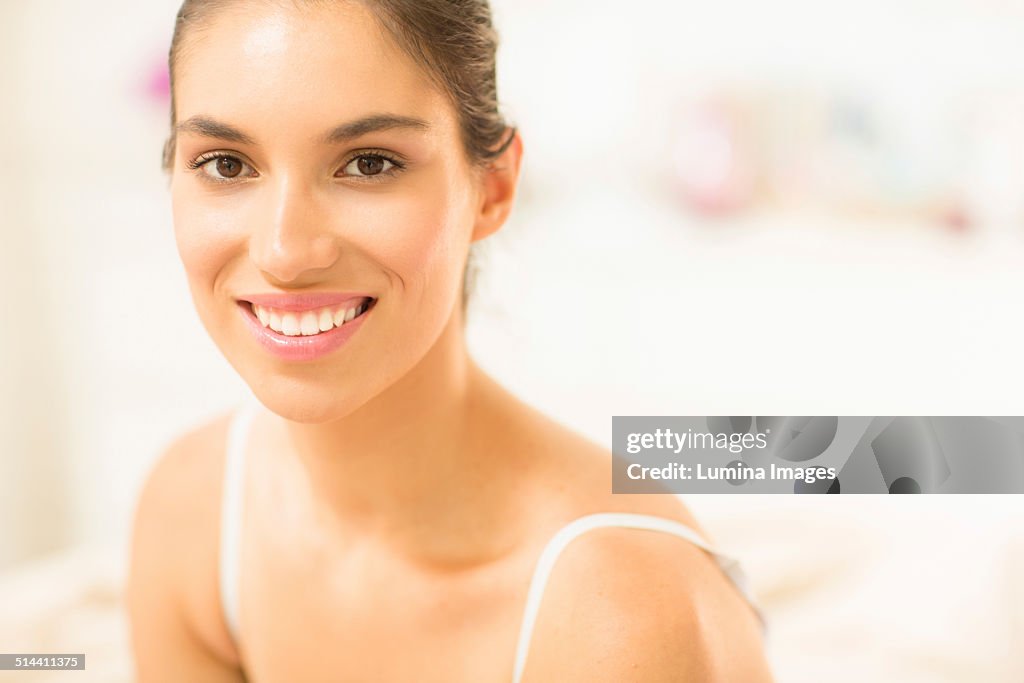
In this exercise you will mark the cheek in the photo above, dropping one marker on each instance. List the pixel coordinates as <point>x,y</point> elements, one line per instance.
<point>421,237</point>
<point>206,237</point>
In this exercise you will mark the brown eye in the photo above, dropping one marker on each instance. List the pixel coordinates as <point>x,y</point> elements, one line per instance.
<point>368,165</point>
<point>220,168</point>
<point>228,167</point>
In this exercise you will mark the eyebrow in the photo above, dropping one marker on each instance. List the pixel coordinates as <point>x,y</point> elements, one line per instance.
<point>209,127</point>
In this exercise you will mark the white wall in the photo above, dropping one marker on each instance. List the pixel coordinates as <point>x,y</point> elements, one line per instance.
<point>34,508</point>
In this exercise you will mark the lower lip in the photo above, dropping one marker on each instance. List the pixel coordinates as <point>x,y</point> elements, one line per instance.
<point>301,348</point>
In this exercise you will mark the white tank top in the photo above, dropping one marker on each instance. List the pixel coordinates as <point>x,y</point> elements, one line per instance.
<point>230,534</point>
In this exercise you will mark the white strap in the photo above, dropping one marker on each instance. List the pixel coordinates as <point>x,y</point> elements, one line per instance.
<point>231,513</point>
<point>570,531</point>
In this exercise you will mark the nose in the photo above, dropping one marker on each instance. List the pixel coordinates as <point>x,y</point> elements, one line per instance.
<point>296,238</point>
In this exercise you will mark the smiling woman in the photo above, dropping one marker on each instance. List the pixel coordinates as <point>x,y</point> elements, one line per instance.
<point>331,165</point>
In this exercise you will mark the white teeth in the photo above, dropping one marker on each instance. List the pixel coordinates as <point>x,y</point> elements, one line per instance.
<point>307,323</point>
<point>290,325</point>
<point>326,320</point>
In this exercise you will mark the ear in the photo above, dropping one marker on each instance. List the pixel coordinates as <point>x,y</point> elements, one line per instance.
<point>499,180</point>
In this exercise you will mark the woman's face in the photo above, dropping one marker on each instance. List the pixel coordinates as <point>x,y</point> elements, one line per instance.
<point>276,205</point>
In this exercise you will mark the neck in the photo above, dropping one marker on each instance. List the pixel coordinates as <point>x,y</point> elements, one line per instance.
<point>412,468</point>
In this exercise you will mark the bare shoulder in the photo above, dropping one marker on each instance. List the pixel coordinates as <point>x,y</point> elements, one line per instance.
<point>633,604</point>
<point>171,587</point>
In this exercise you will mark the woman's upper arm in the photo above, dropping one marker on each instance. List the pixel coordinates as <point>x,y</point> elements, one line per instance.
<point>633,605</point>
<point>166,645</point>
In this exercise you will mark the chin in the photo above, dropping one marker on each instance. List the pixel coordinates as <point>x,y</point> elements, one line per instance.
<point>307,402</point>
<point>323,392</point>
<point>306,393</point>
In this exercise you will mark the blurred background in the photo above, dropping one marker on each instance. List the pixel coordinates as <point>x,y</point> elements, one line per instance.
<point>785,208</point>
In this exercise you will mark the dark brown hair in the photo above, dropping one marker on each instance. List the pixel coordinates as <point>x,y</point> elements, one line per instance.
<point>454,41</point>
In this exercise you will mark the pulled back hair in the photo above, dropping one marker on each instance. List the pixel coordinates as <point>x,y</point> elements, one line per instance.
<point>453,41</point>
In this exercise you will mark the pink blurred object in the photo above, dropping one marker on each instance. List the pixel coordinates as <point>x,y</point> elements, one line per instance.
<point>713,167</point>
<point>158,83</point>
<point>992,172</point>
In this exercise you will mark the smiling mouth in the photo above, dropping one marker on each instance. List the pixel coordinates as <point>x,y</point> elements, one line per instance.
<point>308,323</point>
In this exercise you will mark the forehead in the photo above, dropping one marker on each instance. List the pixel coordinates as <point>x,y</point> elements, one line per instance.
<point>289,69</point>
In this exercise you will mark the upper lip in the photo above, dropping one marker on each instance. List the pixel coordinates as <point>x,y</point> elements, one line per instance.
<point>304,302</point>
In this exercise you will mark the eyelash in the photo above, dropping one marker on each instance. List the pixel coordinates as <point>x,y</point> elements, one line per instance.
<point>396,166</point>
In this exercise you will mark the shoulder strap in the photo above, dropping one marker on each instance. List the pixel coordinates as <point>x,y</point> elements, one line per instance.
<point>573,529</point>
<point>231,513</point>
